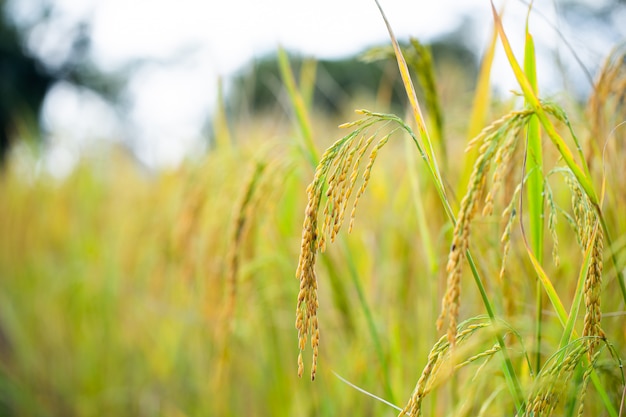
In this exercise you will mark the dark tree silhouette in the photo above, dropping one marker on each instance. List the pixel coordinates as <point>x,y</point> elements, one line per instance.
<point>24,82</point>
<point>258,86</point>
<point>25,79</point>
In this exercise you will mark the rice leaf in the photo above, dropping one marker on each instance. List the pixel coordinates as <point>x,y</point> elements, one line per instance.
<point>298,103</point>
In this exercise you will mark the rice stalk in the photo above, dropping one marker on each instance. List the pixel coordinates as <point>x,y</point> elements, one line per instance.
<point>585,383</point>
<point>335,179</point>
<point>419,58</point>
<point>239,230</point>
<point>497,143</point>
<point>439,354</point>
<point>551,385</point>
<point>481,102</point>
<point>510,214</point>
<point>425,148</point>
<point>593,287</point>
<point>605,107</point>
<point>299,106</point>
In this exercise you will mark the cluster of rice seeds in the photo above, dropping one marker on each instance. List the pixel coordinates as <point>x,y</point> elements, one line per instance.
<point>500,126</point>
<point>501,164</point>
<point>183,230</point>
<point>255,192</point>
<point>487,354</point>
<point>593,286</point>
<point>552,220</point>
<point>496,142</point>
<point>438,355</point>
<point>584,213</point>
<point>586,378</point>
<point>340,190</point>
<point>552,383</point>
<point>244,210</point>
<point>509,214</point>
<point>366,176</point>
<point>589,232</point>
<point>306,310</point>
<point>607,99</point>
<point>335,179</point>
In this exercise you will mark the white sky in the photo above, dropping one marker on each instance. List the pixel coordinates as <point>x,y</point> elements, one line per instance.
<point>200,40</point>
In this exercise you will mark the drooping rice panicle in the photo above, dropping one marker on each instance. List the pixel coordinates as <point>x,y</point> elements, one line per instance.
<point>510,214</point>
<point>437,356</point>
<point>551,383</point>
<point>334,180</point>
<point>589,232</point>
<point>501,164</point>
<point>366,177</point>
<point>492,139</point>
<point>552,222</point>
<point>593,287</point>
<point>585,383</point>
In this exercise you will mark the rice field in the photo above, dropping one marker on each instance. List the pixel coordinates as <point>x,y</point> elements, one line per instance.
<point>462,263</point>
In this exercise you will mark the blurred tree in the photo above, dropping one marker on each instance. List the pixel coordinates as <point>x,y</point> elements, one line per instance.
<point>257,88</point>
<point>25,78</point>
<point>23,81</point>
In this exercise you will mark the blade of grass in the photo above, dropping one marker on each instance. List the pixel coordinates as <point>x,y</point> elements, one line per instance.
<point>369,318</point>
<point>302,115</point>
<point>535,184</point>
<point>339,294</point>
<point>535,157</point>
<point>480,105</point>
<point>345,381</point>
<point>412,96</point>
<point>221,130</point>
<point>420,211</point>
<point>573,315</point>
<point>308,77</point>
<point>425,72</point>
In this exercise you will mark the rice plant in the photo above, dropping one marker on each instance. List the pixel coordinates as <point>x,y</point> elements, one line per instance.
<point>514,140</point>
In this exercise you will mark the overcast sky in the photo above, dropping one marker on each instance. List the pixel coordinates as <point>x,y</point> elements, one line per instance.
<point>201,40</point>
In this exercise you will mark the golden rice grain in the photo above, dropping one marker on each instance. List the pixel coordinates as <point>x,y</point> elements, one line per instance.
<point>593,287</point>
